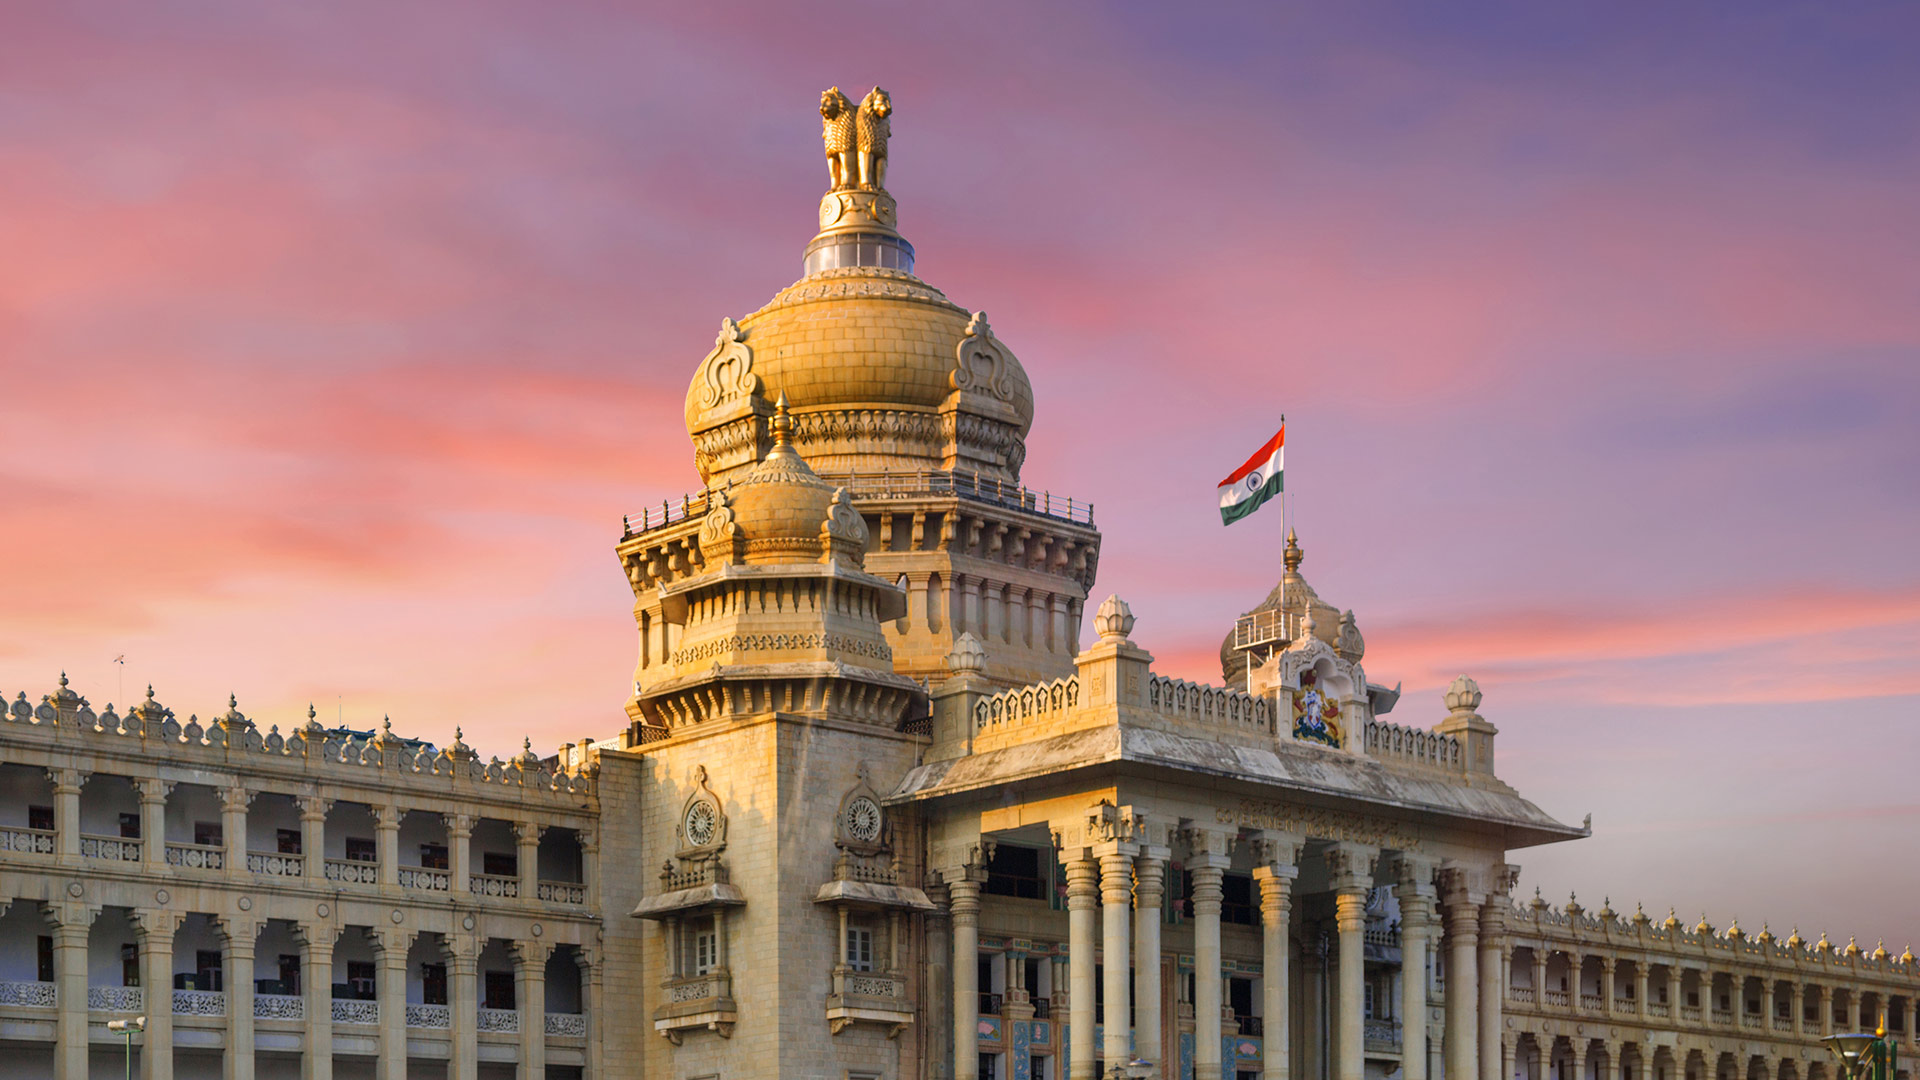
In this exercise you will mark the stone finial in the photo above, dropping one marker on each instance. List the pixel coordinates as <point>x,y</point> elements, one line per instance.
<point>967,657</point>
<point>1463,696</point>
<point>1880,950</point>
<point>1906,956</point>
<point>1823,945</point>
<point>1796,941</point>
<point>1672,921</point>
<point>1703,926</point>
<point>1114,619</point>
<point>1606,912</point>
<point>782,423</point>
<point>1640,917</point>
<point>1734,933</point>
<point>1853,946</point>
<point>1765,936</point>
<point>1573,908</point>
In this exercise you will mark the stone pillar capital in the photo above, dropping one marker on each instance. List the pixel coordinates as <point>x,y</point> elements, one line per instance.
<point>529,832</point>
<point>458,825</point>
<point>157,924</point>
<point>318,935</point>
<point>1461,886</point>
<point>153,789</point>
<point>1083,884</point>
<point>313,807</point>
<point>1351,867</point>
<point>388,815</point>
<point>236,798</point>
<point>530,952</point>
<point>69,918</point>
<point>67,781</point>
<point>390,944</point>
<point>1274,848</point>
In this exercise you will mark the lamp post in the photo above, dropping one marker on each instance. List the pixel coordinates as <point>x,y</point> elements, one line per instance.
<point>1863,1056</point>
<point>129,1028</point>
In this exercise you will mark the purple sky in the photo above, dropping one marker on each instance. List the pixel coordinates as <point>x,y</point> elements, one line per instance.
<point>335,340</point>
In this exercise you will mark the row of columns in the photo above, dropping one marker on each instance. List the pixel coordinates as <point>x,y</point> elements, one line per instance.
<point>235,800</point>
<point>1114,895</point>
<point>1822,995</point>
<point>155,929</point>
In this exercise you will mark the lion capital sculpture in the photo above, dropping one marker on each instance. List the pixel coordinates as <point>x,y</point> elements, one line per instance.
<point>837,131</point>
<point>873,129</point>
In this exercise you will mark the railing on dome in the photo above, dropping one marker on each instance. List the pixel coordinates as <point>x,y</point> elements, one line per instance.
<point>1269,627</point>
<point>966,485</point>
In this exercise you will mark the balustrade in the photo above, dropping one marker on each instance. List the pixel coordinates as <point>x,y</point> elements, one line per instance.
<point>110,848</point>
<point>32,995</point>
<point>1556,997</point>
<point>125,999</point>
<point>494,885</point>
<point>1658,1010</point>
<point>1522,994</point>
<point>349,1011</point>
<point>274,864</point>
<point>33,841</point>
<point>1380,1035</point>
<point>1690,1012</point>
<point>429,1016</point>
<point>419,877</point>
<point>197,856</point>
<point>279,1007</point>
<point>1592,1001</point>
<point>353,871</point>
<point>571,1025</point>
<point>502,1021</point>
<point>199,1003</point>
<point>990,1004</point>
<point>563,892</point>
<point>1752,1020</point>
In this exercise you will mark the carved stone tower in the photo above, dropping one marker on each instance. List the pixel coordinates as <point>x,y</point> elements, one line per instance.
<point>912,404</point>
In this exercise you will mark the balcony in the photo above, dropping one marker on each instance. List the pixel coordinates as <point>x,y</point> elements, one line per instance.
<point>1592,1002</point>
<point>199,1003</point>
<point>31,995</point>
<point>494,885</point>
<point>1248,1025</point>
<point>1382,1036</point>
<point>498,1021</point>
<point>567,1025</point>
<point>120,999</point>
<point>32,841</point>
<point>351,1011</point>
<point>429,1016</point>
<point>275,864</point>
<point>1658,1010</point>
<point>992,1004</point>
<point>279,1007</point>
<point>1752,1020</point>
<point>197,856</point>
<point>110,848</point>
<point>697,1001</point>
<point>563,892</point>
<point>1042,1008</point>
<point>1556,997</point>
<point>866,997</point>
<point>1521,994</point>
<point>425,878</point>
<point>1690,1012</point>
<point>1781,1023</point>
<point>353,871</point>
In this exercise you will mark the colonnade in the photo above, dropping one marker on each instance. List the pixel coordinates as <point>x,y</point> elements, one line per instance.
<point>1114,892</point>
<point>155,930</point>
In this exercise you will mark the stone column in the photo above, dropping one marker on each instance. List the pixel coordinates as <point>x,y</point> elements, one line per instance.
<point>386,824</point>
<point>1149,893</point>
<point>590,865</point>
<point>66,814</point>
<point>1351,869</point>
<point>527,861</point>
<point>70,923</point>
<point>1674,1000</point>
<point>1493,992</point>
<point>1059,640</point>
<point>1540,954</point>
<point>459,853</point>
<point>1415,894</point>
<point>1116,899</point>
<point>1577,1055</point>
<point>313,836</point>
<point>971,617</point>
<point>1275,878</point>
<point>1825,994</point>
<point>939,980</point>
<point>1766,1004</point>
<point>995,602</point>
<point>155,929</point>
<point>1083,897</point>
<point>462,955</point>
<point>530,993</point>
<point>593,964</point>
<point>1207,863</point>
<point>153,828</point>
<point>964,903</point>
<point>1797,1005</point>
<point>233,827</point>
<point>238,935</point>
<point>1853,1008</point>
<point>1541,1057</point>
<point>1463,935</point>
<point>316,985</point>
<point>390,953</point>
<point>1640,987</point>
<point>1607,964</point>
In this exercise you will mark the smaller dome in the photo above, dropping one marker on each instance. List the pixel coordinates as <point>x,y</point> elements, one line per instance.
<point>1796,941</point>
<point>781,502</point>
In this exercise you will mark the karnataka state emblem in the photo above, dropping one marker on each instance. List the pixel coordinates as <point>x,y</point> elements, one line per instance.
<point>1316,717</point>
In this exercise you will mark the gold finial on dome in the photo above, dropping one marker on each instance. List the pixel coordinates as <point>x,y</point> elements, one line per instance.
<point>1293,554</point>
<point>782,425</point>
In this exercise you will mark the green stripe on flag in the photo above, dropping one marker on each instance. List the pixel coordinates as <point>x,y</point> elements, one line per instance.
<point>1273,486</point>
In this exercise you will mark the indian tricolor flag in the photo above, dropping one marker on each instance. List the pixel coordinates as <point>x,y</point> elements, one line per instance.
<point>1252,484</point>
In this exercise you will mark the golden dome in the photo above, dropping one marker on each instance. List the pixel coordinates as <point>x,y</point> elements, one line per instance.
<point>882,372</point>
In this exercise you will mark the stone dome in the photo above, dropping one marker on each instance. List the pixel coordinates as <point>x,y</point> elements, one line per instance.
<point>780,511</point>
<point>881,371</point>
<point>1297,598</point>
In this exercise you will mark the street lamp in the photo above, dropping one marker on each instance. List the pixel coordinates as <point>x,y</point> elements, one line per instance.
<point>129,1028</point>
<point>1863,1056</point>
<point>1137,1069</point>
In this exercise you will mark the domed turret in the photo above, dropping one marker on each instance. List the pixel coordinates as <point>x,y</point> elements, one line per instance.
<point>882,372</point>
<point>1302,605</point>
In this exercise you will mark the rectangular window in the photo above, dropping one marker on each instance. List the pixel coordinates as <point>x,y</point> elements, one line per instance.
<point>1236,900</point>
<point>1037,1066</point>
<point>360,980</point>
<point>287,841</point>
<point>44,953</point>
<point>129,826</point>
<point>989,1067</point>
<point>361,849</point>
<point>129,965</point>
<point>290,973</point>
<point>1017,872</point>
<point>433,984</point>
<point>499,865</point>
<point>706,952</point>
<point>499,990</point>
<point>208,834</point>
<point>40,817</point>
<point>433,856</point>
<point>1366,1008</point>
<point>859,948</point>
<point>207,970</point>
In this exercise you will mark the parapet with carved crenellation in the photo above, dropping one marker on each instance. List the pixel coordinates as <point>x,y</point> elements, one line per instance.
<point>64,722</point>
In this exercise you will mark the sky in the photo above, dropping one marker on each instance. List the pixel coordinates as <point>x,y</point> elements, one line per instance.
<point>335,340</point>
